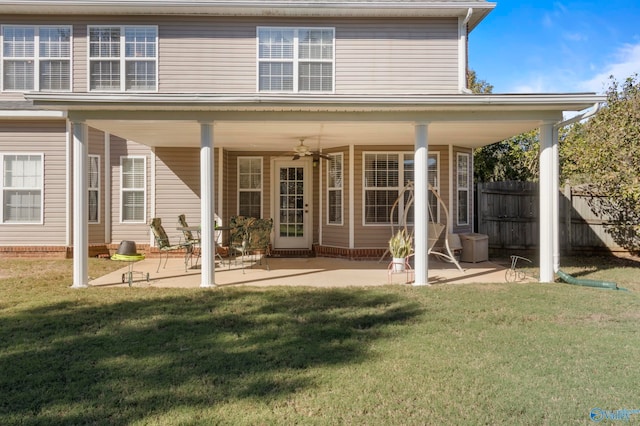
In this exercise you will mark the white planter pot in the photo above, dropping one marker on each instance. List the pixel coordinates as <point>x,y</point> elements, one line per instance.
<point>398,264</point>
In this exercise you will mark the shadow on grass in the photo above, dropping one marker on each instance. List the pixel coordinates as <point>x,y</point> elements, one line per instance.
<point>79,362</point>
<point>589,264</point>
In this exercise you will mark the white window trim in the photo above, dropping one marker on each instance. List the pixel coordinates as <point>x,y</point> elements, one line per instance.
<point>2,188</point>
<point>401,155</point>
<point>144,189</point>
<point>122,58</point>
<point>295,60</point>
<point>37,59</point>
<point>260,190</point>
<point>436,187</point>
<point>460,188</point>
<point>340,188</point>
<point>97,189</point>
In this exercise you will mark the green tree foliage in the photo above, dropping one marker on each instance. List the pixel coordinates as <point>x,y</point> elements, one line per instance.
<point>515,158</point>
<point>604,155</point>
<point>477,86</point>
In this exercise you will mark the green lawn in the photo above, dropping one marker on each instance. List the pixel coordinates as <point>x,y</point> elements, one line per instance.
<point>450,354</point>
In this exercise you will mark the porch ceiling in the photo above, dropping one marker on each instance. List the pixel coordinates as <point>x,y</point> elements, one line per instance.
<point>277,121</point>
<point>284,135</point>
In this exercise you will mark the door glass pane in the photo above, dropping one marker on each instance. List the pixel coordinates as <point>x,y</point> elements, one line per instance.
<point>292,202</point>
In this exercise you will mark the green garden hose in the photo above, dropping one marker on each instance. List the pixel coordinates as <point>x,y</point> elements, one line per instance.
<point>589,283</point>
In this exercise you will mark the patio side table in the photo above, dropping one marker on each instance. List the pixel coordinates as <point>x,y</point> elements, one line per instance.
<point>130,259</point>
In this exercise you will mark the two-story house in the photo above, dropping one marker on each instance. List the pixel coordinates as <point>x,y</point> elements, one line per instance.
<point>115,112</point>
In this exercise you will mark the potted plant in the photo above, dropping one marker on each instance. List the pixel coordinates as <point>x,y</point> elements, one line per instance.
<point>400,246</point>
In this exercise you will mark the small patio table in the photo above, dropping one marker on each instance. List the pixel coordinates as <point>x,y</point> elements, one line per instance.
<point>130,259</point>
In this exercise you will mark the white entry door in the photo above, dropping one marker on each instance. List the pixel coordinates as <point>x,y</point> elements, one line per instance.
<point>293,217</point>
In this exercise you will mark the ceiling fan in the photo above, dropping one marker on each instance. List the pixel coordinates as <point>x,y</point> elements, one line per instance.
<point>303,151</point>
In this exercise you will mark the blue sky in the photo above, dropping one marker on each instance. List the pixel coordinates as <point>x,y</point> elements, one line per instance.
<point>527,46</point>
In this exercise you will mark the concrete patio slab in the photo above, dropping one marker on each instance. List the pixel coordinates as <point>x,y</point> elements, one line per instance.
<point>313,272</point>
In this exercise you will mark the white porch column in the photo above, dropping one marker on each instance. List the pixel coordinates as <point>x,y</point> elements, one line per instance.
<point>80,206</point>
<point>207,205</point>
<point>546,203</point>
<point>421,196</point>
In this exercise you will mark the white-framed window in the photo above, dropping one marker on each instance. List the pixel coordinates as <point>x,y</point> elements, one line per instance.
<point>334,189</point>
<point>22,188</point>
<point>133,193</point>
<point>36,58</point>
<point>463,167</point>
<point>382,186</point>
<point>295,59</point>
<point>123,58</point>
<point>250,186</point>
<point>94,188</point>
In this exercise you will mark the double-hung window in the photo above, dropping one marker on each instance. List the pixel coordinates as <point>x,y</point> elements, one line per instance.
<point>133,185</point>
<point>36,58</point>
<point>334,189</point>
<point>22,190</point>
<point>250,186</point>
<point>123,58</point>
<point>295,59</point>
<point>94,188</point>
<point>383,186</point>
<point>463,168</point>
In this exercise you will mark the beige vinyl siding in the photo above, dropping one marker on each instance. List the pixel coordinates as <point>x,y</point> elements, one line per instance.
<point>47,138</point>
<point>177,188</point>
<point>96,147</point>
<point>407,56</point>
<point>207,55</point>
<point>218,54</point>
<point>138,232</point>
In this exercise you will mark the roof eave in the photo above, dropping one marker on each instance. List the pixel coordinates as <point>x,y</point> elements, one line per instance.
<point>280,102</point>
<point>383,8</point>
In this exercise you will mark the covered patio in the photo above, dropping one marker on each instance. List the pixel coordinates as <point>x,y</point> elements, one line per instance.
<point>303,272</point>
<point>272,122</point>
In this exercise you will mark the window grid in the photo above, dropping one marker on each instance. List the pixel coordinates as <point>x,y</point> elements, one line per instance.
<point>334,189</point>
<point>295,59</point>
<point>36,58</point>
<point>463,168</point>
<point>133,185</point>
<point>123,58</point>
<point>22,188</point>
<point>250,186</point>
<point>94,188</point>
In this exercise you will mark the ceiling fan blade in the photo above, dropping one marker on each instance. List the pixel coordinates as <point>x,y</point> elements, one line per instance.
<point>296,156</point>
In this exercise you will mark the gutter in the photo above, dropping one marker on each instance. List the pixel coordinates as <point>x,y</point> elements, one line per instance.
<point>589,113</point>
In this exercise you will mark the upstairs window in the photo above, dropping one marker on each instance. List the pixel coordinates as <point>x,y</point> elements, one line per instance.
<point>123,59</point>
<point>36,58</point>
<point>295,59</point>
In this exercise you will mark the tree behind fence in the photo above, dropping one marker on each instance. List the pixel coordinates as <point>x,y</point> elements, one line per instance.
<point>508,212</point>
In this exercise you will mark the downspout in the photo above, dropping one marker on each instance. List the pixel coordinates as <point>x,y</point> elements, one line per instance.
<point>463,51</point>
<point>556,178</point>
<point>564,276</point>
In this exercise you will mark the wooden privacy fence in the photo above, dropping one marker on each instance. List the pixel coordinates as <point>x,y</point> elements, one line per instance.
<point>508,213</point>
